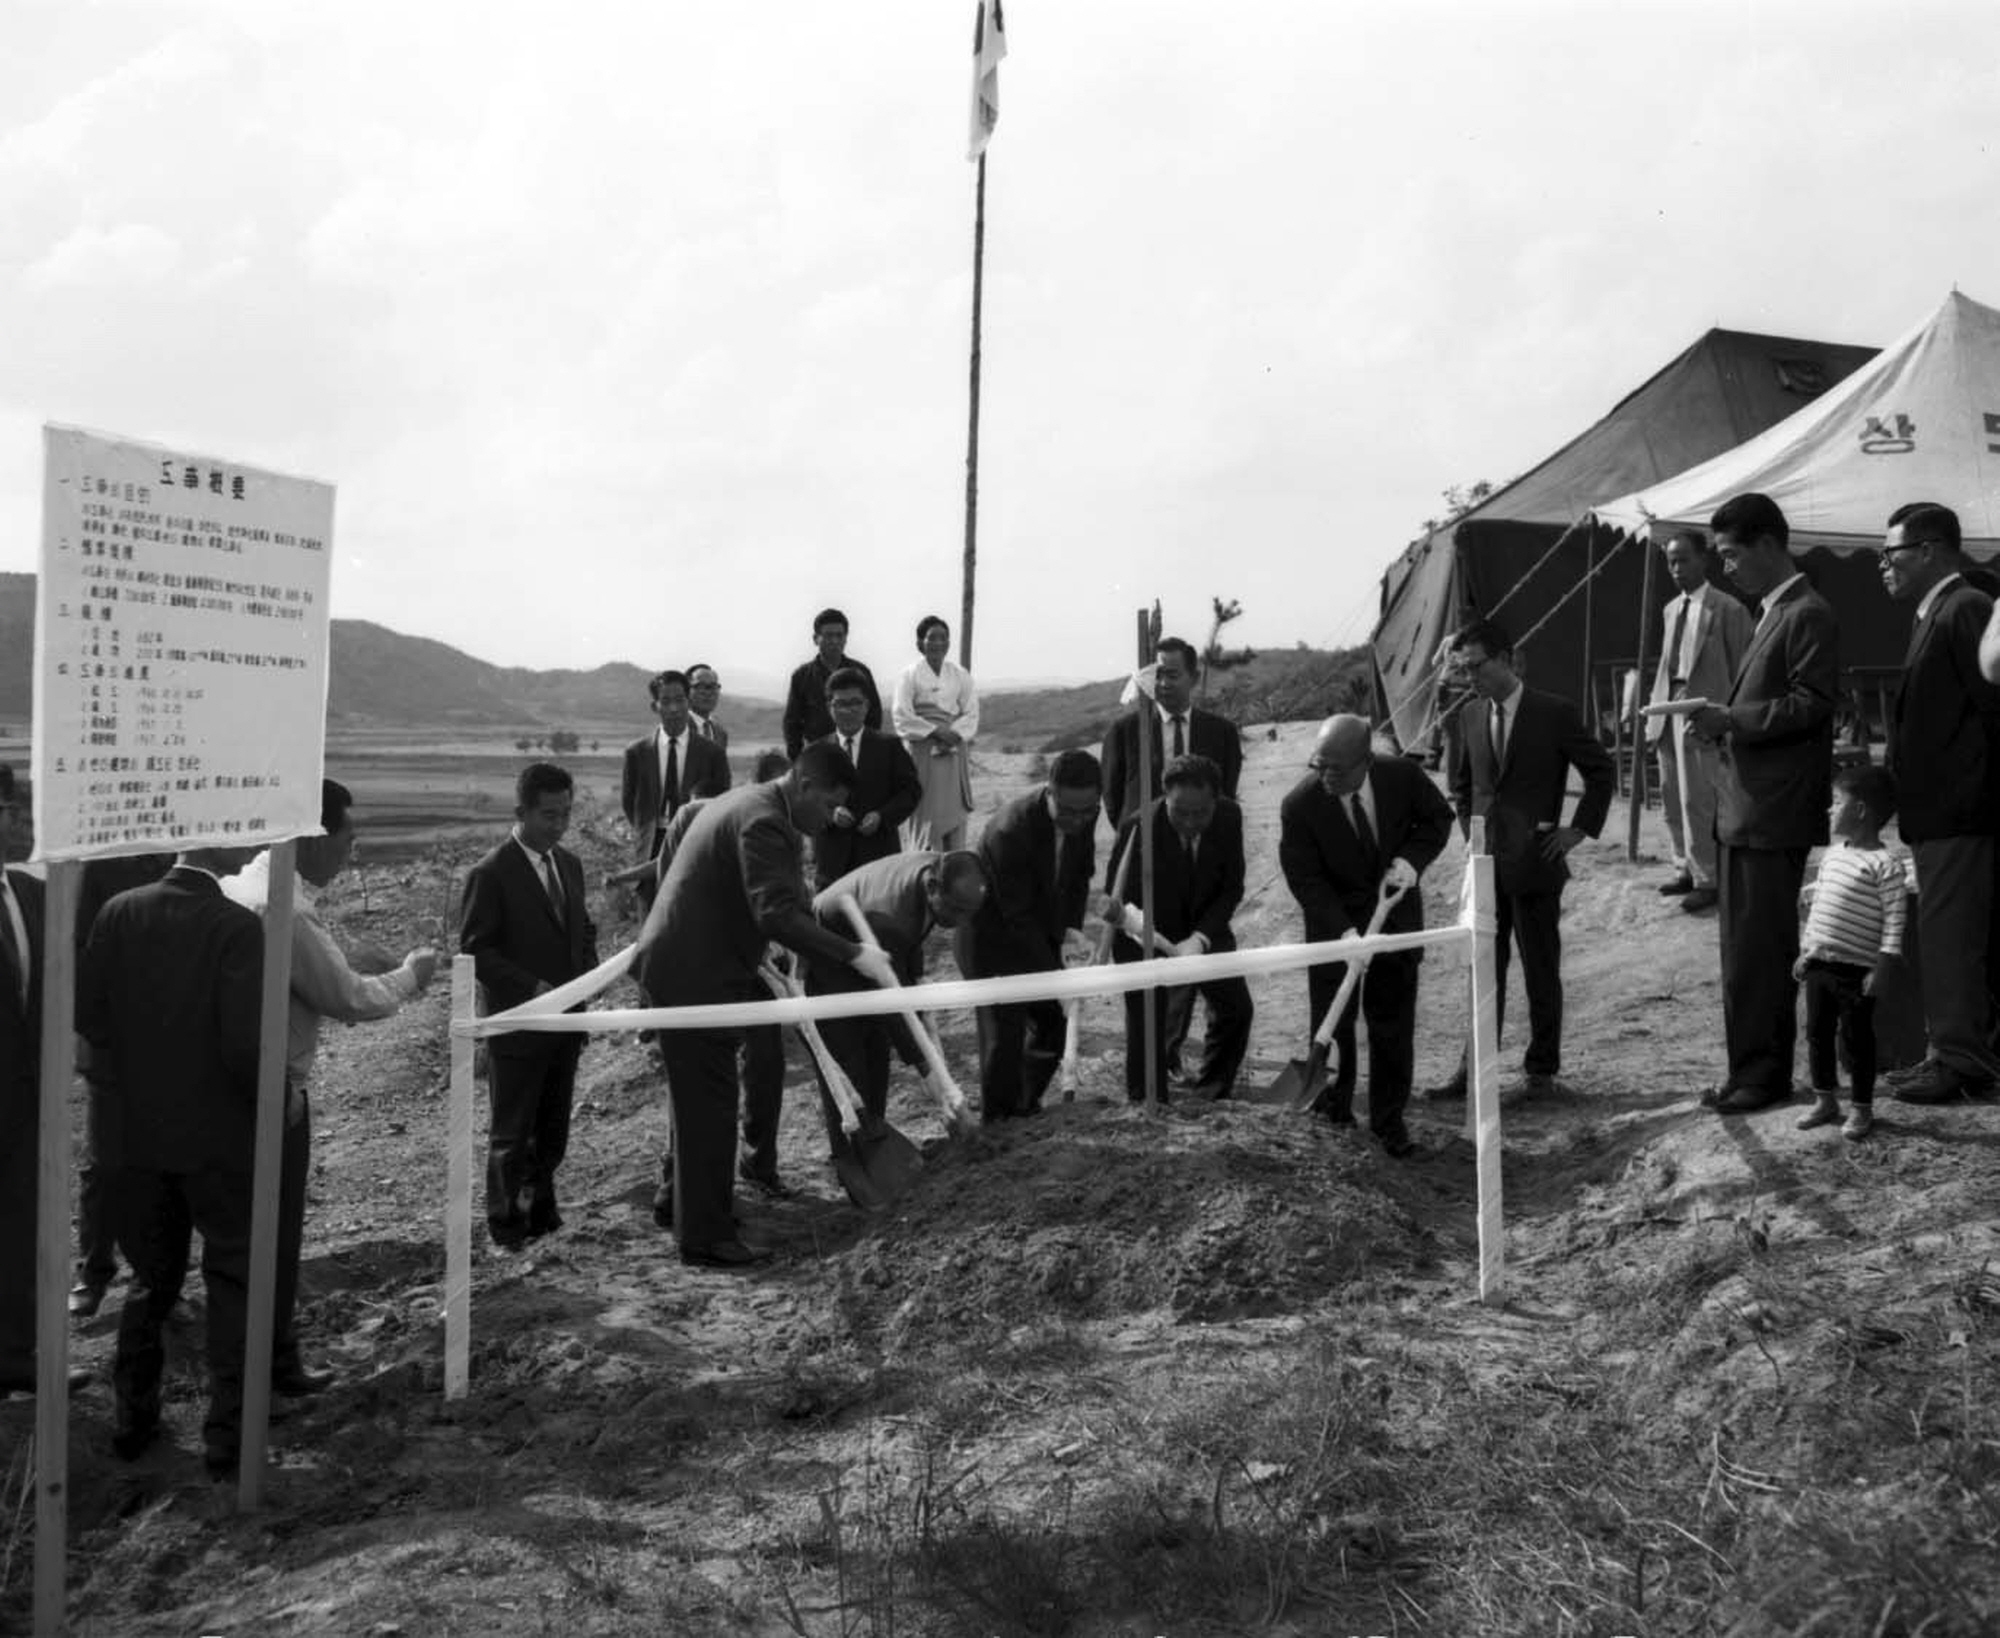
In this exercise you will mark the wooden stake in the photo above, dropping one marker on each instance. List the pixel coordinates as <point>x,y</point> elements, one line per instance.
<point>1150,999</point>
<point>458,1187</point>
<point>273,1033</point>
<point>58,1063</point>
<point>1483,1066</point>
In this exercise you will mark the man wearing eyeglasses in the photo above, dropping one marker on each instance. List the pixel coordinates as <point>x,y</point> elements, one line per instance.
<point>1352,823</point>
<point>704,694</point>
<point>1038,851</point>
<point>1945,754</point>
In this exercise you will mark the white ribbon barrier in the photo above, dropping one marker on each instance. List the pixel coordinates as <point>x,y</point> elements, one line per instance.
<point>545,1013</point>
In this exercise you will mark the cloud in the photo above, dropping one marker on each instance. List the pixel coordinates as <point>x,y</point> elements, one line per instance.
<point>105,259</point>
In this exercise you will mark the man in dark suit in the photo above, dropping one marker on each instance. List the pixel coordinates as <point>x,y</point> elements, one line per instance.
<point>1945,755</point>
<point>806,715</point>
<point>1179,728</point>
<point>665,768</point>
<point>1197,885</point>
<point>1775,730</point>
<point>733,886</point>
<point>903,897</point>
<point>168,996</point>
<point>1351,824</point>
<point>21,924</point>
<point>704,695</point>
<point>1704,632</point>
<point>864,827</point>
<point>1516,749</point>
<point>1038,851</point>
<point>525,922</point>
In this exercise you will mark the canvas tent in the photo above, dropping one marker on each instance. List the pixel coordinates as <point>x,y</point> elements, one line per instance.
<point>1919,422</point>
<point>1529,555</point>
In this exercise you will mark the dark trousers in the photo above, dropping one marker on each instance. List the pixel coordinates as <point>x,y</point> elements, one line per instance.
<point>701,1085</point>
<point>1389,1005</point>
<point>1838,1012</point>
<point>1759,920</point>
<point>1020,1049</point>
<point>294,1167</point>
<point>1954,926</point>
<point>1227,1039</point>
<point>157,1214</point>
<point>1534,922</point>
<point>19,1159</point>
<point>532,1079</point>
<point>763,1080</point>
<point>96,1229</point>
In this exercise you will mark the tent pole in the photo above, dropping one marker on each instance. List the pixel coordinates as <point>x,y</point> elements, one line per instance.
<point>1589,609</point>
<point>1638,694</point>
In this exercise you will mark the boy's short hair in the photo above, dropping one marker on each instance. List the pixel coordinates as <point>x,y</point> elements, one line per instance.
<point>847,680</point>
<point>1874,787</point>
<point>540,777</point>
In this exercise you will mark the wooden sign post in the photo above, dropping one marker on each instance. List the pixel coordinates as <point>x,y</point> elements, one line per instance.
<point>1150,999</point>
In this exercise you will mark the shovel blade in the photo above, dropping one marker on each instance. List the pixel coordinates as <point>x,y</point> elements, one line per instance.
<point>1298,1085</point>
<point>888,1159</point>
<point>859,1185</point>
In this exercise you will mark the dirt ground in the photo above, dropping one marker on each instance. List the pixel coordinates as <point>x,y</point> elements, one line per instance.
<point>1112,1372</point>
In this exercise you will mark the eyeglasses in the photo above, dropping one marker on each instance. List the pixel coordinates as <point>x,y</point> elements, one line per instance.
<point>1887,552</point>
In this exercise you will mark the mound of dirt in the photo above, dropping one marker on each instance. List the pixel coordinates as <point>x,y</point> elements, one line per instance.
<point>1212,1211</point>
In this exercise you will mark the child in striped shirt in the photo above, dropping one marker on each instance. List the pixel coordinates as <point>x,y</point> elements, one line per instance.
<point>1853,932</point>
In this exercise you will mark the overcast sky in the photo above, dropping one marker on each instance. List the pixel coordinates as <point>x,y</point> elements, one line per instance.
<point>639,331</point>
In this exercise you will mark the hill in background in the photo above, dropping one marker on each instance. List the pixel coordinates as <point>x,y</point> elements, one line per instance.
<point>385,680</point>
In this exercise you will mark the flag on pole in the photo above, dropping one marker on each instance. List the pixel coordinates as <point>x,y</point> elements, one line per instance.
<point>989,45</point>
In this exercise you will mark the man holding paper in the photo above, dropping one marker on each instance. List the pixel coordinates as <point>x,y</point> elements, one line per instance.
<point>1704,632</point>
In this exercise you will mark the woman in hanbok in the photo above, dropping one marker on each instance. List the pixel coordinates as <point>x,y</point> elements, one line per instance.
<point>936,711</point>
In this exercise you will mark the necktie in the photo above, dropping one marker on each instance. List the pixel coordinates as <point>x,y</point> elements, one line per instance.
<point>1675,672</point>
<point>670,793</point>
<point>1364,832</point>
<point>1180,743</point>
<point>1499,732</point>
<point>554,886</point>
<point>847,745</point>
<point>13,951</point>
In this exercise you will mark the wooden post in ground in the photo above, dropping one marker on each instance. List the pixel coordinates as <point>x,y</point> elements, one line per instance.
<point>1638,699</point>
<point>458,1188</point>
<point>52,1175</point>
<point>273,1031</point>
<point>1150,998</point>
<point>1478,908</point>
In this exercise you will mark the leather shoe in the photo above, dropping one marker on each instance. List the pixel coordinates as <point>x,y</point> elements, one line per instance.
<point>723,1254</point>
<point>1396,1143</point>
<point>294,1381</point>
<point>1747,1100</point>
<point>1942,1085</point>
<point>1451,1091</point>
<point>85,1298</point>
<point>129,1444</point>
<point>1700,899</point>
<point>1537,1084</point>
<point>1682,883</point>
<point>765,1183</point>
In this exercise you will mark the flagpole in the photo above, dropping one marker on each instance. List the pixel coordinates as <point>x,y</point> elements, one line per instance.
<point>972,429</point>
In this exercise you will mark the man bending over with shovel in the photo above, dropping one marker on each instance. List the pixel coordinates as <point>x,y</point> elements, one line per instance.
<point>1350,827</point>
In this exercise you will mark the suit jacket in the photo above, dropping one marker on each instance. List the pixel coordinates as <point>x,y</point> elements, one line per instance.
<point>21,1025</point>
<point>733,886</point>
<point>1037,882</point>
<point>510,929</point>
<point>1324,865</point>
<point>169,995</point>
<point>1945,750</point>
<point>1186,901</point>
<point>887,786</point>
<point>721,739</point>
<point>1777,763</point>
<point>1722,628</point>
<point>1546,740</point>
<point>1207,735</point>
<point>807,717</point>
<point>894,898</point>
<point>704,771</point>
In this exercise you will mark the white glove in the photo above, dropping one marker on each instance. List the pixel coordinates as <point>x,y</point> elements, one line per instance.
<point>1401,873</point>
<point>875,966</point>
<point>1193,944</point>
<point>1076,945</point>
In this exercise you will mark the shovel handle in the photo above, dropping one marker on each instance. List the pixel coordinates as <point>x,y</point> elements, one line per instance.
<point>837,1084</point>
<point>850,907</point>
<point>1356,966</point>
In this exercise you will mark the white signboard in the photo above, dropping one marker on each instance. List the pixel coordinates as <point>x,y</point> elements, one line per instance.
<point>180,650</point>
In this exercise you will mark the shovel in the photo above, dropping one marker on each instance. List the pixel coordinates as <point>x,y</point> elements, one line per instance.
<point>937,1073</point>
<point>1072,1030</point>
<point>875,1166</point>
<point>1300,1083</point>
